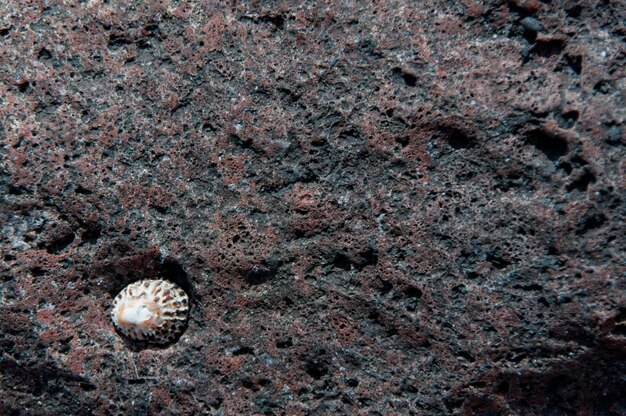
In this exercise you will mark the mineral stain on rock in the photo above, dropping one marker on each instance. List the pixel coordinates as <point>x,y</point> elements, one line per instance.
<point>374,207</point>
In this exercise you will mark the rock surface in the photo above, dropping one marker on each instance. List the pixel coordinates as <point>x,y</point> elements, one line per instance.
<point>381,208</point>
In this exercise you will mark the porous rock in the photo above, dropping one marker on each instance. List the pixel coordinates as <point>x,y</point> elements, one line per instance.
<point>389,207</point>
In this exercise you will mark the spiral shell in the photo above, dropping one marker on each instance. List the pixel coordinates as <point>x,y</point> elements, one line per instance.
<point>151,310</point>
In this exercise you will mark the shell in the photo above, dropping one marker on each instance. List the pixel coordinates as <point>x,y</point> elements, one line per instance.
<point>151,310</point>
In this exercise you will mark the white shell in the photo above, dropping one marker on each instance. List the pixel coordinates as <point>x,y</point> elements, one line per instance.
<point>151,310</point>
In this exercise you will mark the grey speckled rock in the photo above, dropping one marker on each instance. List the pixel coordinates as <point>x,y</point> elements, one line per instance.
<point>375,207</point>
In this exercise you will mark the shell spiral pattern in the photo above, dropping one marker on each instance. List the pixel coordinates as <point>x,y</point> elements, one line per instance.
<point>151,310</point>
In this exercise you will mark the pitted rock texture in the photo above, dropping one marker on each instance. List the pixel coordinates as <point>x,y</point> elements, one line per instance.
<point>391,207</point>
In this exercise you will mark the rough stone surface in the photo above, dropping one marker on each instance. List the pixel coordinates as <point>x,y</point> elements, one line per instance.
<point>390,207</point>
